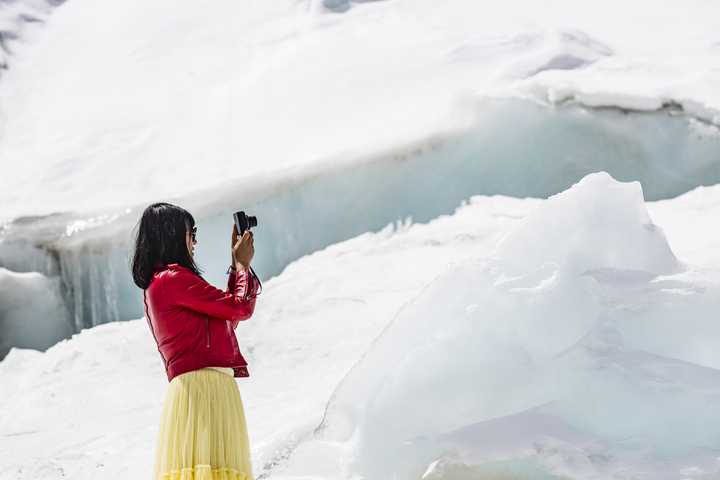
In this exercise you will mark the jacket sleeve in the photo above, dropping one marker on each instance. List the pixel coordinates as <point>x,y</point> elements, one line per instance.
<point>248,288</point>
<point>193,292</point>
<point>231,282</point>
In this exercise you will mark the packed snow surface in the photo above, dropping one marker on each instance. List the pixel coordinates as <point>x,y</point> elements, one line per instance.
<point>471,346</point>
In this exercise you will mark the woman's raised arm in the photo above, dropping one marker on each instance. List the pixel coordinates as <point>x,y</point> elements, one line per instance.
<point>195,293</point>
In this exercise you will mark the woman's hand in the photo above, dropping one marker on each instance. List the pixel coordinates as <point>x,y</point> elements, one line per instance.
<point>243,248</point>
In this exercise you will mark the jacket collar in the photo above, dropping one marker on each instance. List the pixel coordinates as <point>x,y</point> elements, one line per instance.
<point>159,267</point>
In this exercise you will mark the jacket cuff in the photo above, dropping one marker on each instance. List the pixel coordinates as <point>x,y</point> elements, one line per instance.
<point>242,282</point>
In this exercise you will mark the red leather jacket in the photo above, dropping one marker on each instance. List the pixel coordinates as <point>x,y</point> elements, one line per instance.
<point>194,322</point>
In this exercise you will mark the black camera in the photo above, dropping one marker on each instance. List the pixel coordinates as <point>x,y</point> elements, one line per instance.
<point>244,222</point>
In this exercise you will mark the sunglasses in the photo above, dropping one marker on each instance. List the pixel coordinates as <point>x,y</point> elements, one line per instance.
<point>193,234</point>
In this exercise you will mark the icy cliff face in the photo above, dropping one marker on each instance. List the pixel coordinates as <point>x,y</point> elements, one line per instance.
<point>509,147</point>
<point>32,310</point>
<point>577,326</point>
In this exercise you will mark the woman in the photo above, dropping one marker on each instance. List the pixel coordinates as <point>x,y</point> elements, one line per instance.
<point>202,431</point>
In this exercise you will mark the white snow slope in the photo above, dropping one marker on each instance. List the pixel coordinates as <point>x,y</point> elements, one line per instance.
<point>114,104</point>
<point>557,338</point>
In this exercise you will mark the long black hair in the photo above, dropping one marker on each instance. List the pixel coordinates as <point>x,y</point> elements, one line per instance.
<point>160,240</point>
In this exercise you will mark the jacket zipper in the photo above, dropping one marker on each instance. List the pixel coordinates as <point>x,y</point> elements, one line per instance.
<point>207,332</point>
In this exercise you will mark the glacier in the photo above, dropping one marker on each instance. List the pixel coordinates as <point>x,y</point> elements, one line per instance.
<point>608,351</point>
<point>510,147</point>
<point>399,105</point>
<point>402,156</point>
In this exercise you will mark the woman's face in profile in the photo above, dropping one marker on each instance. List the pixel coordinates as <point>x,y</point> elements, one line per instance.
<point>190,241</point>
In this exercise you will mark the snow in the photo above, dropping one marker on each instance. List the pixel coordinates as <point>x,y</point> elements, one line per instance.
<point>226,80</point>
<point>582,318</point>
<point>297,344</point>
<point>567,359</point>
<point>406,108</point>
<point>17,19</point>
<point>689,211</point>
<point>514,148</point>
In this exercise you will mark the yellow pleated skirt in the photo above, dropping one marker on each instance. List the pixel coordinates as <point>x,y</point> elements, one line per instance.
<point>203,435</point>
